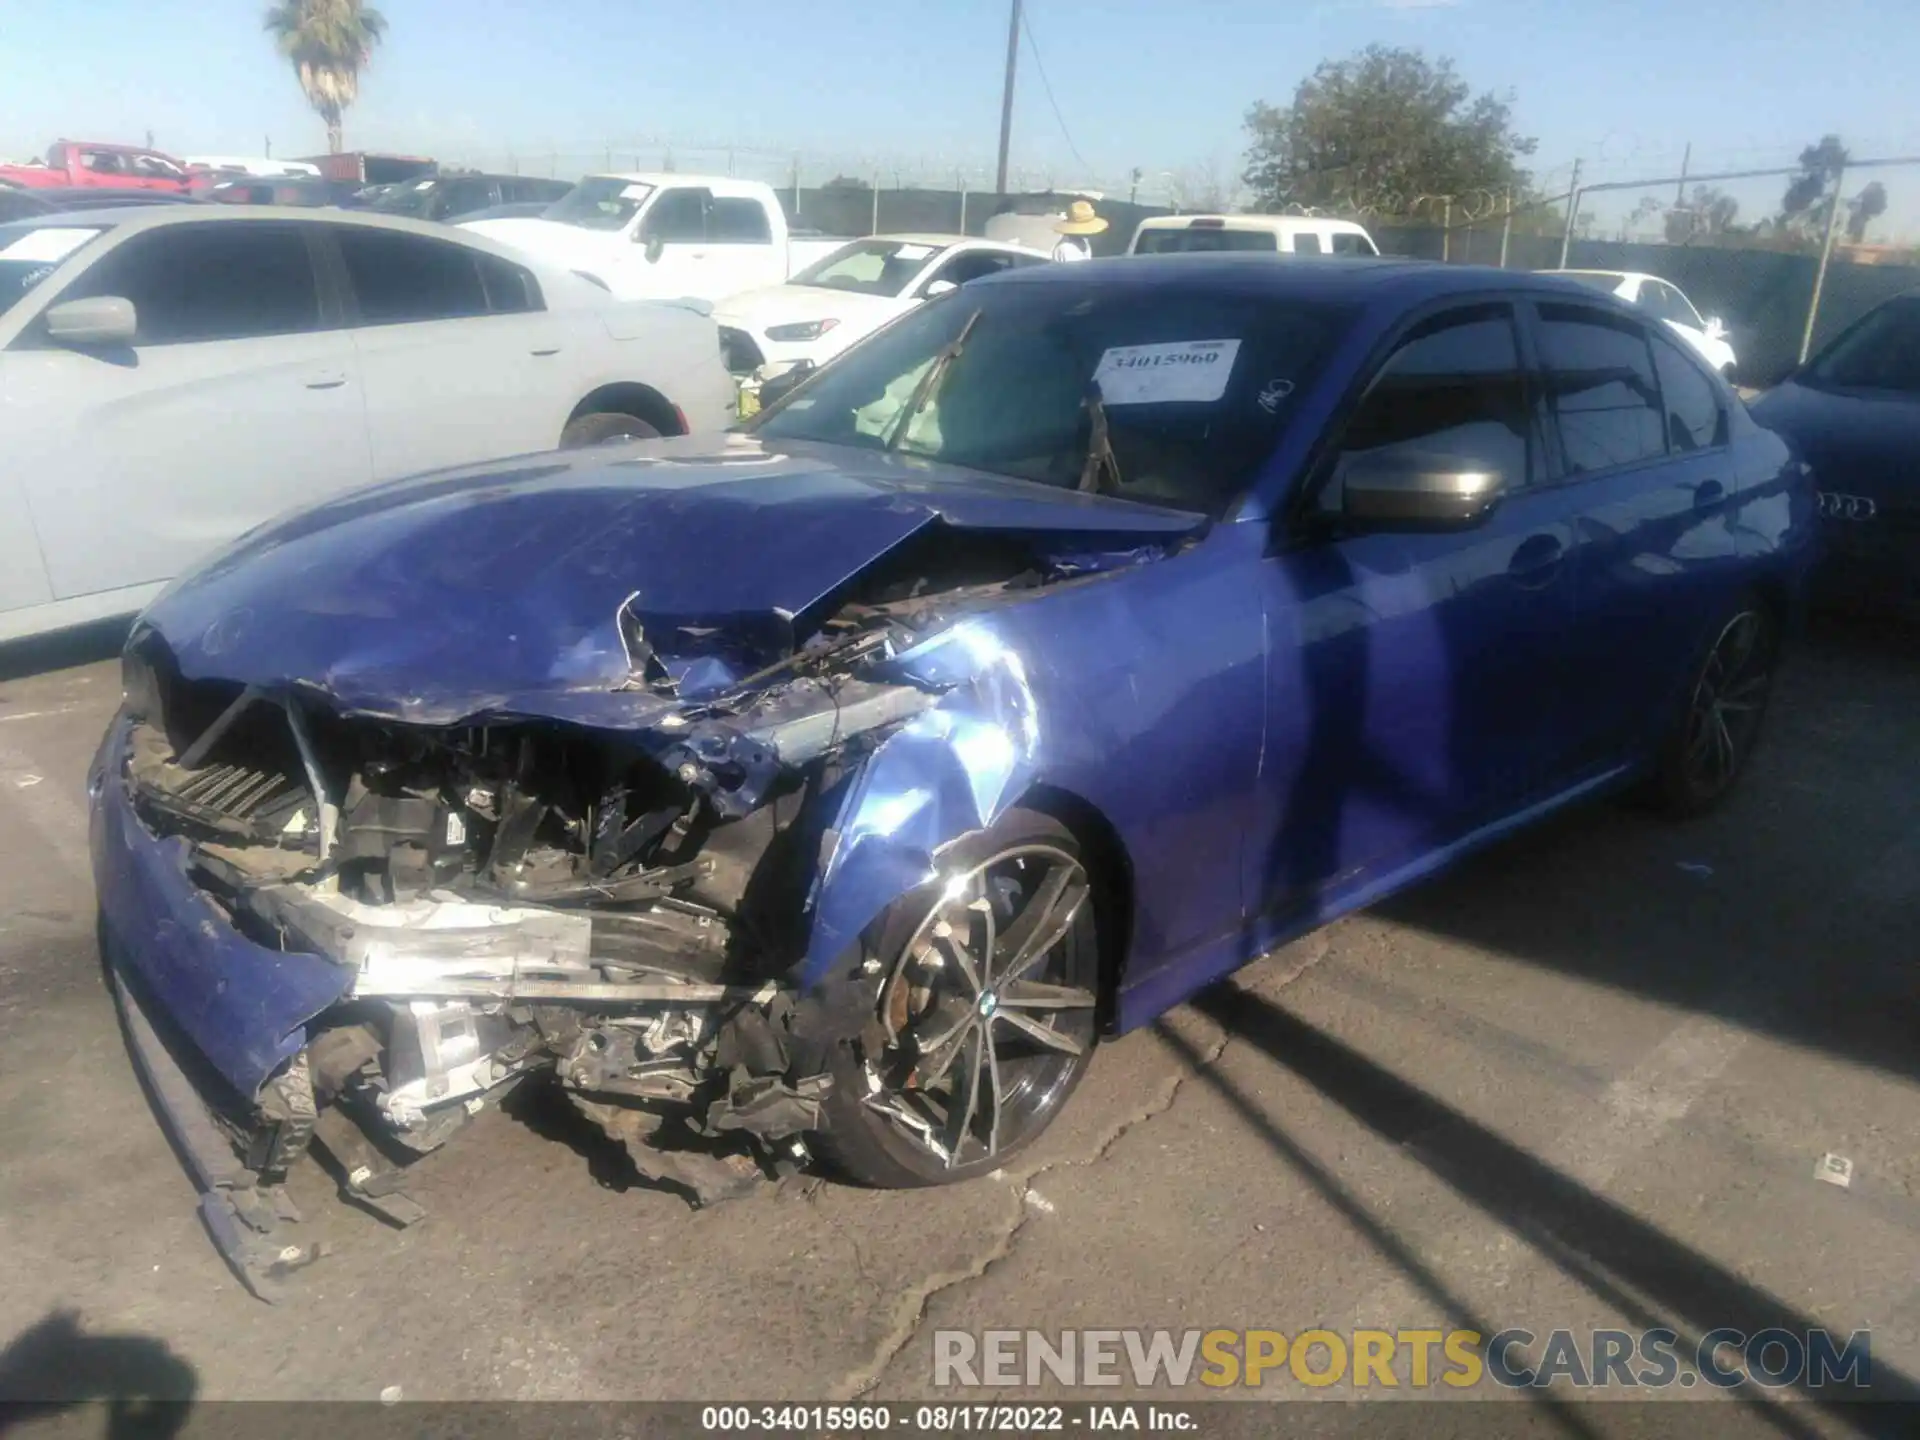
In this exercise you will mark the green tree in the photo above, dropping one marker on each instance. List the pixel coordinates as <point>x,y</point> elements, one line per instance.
<point>328,43</point>
<point>1708,214</point>
<point>1810,194</point>
<point>1866,207</point>
<point>1380,131</point>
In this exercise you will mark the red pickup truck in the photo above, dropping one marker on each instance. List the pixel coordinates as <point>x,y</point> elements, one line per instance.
<point>74,163</point>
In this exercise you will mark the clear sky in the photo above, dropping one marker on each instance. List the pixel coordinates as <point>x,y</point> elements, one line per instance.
<point>1158,84</point>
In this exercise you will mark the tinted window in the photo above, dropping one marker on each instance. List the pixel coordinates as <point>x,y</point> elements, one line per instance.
<point>510,289</point>
<point>1307,243</point>
<point>1345,243</point>
<point>1455,388</point>
<point>398,278</point>
<point>210,282</point>
<point>1602,389</point>
<point>1695,420</point>
<point>1172,242</point>
<point>1195,388</point>
<point>677,217</point>
<point>963,268</point>
<point>462,197</point>
<point>739,222</point>
<point>1882,352</point>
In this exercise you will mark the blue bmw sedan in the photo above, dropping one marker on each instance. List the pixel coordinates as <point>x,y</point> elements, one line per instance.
<point>827,790</point>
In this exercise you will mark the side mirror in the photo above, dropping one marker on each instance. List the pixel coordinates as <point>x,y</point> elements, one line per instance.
<point>101,320</point>
<point>941,287</point>
<point>1418,491</point>
<point>655,247</point>
<point>785,383</point>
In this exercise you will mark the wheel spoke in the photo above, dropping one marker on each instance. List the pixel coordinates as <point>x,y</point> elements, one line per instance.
<point>965,1097</point>
<point>957,948</point>
<point>1034,995</point>
<point>1045,921</point>
<point>936,1055</point>
<point>1041,1034</point>
<point>994,1091</point>
<point>983,907</point>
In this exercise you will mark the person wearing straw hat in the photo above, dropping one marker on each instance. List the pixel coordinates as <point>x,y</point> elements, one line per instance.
<point>1080,221</point>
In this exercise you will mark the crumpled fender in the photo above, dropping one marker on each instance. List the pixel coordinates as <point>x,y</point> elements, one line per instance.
<point>948,772</point>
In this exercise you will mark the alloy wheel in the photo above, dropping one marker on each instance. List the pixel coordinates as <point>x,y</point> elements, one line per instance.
<point>983,1035</point>
<point>1728,700</point>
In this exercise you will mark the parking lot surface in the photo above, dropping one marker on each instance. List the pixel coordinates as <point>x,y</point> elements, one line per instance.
<point>1584,1080</point>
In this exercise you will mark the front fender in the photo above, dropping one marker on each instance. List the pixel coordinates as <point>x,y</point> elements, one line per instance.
<point>952,770</point>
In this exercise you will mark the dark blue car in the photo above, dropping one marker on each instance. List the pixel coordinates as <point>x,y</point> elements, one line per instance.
<point>836,784</point>
<point>1853,412</point>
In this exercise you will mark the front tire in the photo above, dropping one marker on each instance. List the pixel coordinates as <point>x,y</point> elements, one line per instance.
<point>986,1015</point>
<point>605,428</point>
<point>1708,748</point>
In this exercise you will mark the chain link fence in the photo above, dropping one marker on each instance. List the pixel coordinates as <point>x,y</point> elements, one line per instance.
<point>1785,258</point>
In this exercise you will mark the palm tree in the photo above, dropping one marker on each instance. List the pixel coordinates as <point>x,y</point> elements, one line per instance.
<point>328,43</point>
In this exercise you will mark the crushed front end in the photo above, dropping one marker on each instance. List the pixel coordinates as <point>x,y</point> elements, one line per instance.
<point>333,927</point>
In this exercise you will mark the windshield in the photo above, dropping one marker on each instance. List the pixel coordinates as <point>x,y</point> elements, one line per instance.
<point>1193,388</point>
<point>1191,241</point>
<point>600,202</point>
<point>410,199</point>
<point>1882,352</point>
<point>869,267</point>
<point>30,253</point>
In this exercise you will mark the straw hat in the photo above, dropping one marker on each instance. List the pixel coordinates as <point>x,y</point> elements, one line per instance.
<point>1080,220</point>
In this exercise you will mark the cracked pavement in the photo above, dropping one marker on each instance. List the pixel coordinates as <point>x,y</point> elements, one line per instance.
<point>1584,1080</point>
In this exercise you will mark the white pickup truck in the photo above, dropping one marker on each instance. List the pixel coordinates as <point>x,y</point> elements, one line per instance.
<point>665,236</point>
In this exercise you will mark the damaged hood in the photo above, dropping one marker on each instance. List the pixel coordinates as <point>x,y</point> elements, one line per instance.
<point>496,590</point>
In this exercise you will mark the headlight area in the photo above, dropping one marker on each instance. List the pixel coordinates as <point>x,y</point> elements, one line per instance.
<point>509,899</point>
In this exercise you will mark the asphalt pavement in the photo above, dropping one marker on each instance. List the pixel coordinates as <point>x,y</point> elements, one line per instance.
<point>1585,1080</point>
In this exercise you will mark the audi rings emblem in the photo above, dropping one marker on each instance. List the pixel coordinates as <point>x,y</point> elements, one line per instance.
<point>1846,507</point>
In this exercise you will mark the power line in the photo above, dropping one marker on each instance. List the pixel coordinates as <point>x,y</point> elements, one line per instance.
<point>1047,85</point>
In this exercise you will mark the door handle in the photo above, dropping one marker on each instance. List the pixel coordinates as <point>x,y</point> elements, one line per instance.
<point>549,350</point>
<point>1709,492</point>
<point>1536,561</point>
<point>329,380</point>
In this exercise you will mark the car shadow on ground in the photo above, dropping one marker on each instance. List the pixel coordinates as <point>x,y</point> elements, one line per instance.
<point>143,1388</point>
<point>1789,911</point>
<point>1650,1278</point>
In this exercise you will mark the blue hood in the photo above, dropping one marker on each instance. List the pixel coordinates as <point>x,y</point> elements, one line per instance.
<point>494,590</point>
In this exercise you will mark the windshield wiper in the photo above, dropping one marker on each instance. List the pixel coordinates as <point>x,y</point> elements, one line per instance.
<point>1100,454</point>
<point>924,390</point>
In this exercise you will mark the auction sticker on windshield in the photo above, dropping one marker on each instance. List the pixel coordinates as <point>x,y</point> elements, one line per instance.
<point>1156,374</point>
<point>50,242</point>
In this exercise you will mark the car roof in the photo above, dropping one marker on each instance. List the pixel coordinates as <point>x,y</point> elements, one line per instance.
<point>131,218</point>
<point>1329,279</point>
<point>1250,222</point>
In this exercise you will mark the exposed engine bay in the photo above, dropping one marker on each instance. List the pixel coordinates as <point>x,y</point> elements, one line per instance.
<point>626,909</point>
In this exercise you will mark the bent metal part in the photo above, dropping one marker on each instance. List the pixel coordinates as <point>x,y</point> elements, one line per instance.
<point>427,913</point>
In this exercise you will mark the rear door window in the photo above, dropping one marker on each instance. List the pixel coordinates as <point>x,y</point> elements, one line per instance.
<point>739,222</point>
<point>399,278</point>
<point>1307,243</point>
<point>1602,389</point>
<point>1204,241</point>
<point>1695,418</point>
<point>190,283</point>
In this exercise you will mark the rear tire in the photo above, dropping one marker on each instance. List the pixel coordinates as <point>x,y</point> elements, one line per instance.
<point>991,994</point>
<point>1707,749</point>
<point>605,428</point>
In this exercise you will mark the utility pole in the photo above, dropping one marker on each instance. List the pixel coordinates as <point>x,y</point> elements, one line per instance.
<point>1680,191</point>
<point>1006,97</point>
<point>1573,209</point>
<point>1506,229</point>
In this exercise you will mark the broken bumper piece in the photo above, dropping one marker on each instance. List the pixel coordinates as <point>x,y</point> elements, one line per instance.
<point>269,1012</point>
